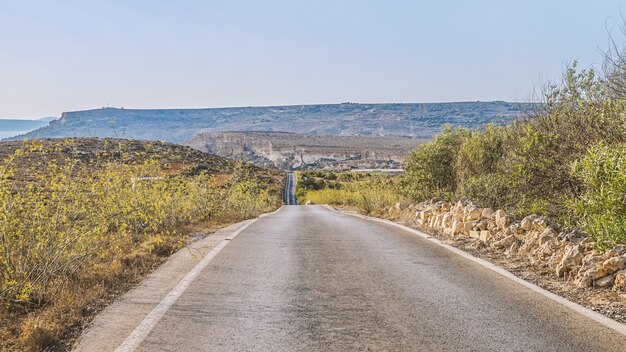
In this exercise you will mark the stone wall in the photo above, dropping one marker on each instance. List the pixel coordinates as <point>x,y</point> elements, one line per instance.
<point>534,239</point>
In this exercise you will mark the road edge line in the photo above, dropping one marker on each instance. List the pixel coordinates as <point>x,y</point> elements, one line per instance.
<point>141,331</point>
<point>598,317</point>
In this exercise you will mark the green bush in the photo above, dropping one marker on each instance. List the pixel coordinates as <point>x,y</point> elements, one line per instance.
<point>430,168</point>
<point>601,208</point>
<point>536,172</point>
<point>525,167</point>
<point>480,153</point>
<point>490,190</point>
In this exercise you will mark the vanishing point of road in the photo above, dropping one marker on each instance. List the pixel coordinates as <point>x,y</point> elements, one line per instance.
<point>307,278</point>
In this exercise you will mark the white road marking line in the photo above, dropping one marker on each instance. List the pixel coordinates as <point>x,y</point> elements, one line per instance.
<point>149,322</point>
<point>602,319</point>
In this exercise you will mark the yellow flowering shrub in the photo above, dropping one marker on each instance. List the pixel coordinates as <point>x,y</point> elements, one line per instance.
<point>61,216</point>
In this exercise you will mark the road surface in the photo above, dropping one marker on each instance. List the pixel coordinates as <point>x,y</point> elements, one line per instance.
<point>306,278</point>
<point>289,196</point>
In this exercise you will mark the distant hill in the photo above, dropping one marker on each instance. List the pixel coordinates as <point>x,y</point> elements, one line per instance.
<point>416,121</point>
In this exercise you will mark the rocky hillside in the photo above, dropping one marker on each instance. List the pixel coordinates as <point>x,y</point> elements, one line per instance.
<point>95,151</point>
<point>418,121</point>
<point>285,150</point>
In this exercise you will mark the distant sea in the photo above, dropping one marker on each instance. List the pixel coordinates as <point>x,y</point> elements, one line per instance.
<point>7,134</point>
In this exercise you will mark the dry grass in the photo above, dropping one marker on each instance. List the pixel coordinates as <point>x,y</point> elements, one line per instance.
<point>366,192</point>
<point>75,232</point>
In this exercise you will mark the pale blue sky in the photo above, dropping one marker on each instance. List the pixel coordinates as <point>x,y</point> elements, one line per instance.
<point>69,55</point>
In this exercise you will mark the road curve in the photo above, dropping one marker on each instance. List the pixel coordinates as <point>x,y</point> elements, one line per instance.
<point>309,279</point>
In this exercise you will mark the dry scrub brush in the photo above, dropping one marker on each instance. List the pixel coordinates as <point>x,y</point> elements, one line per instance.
<point>67,220</point>
<point>367,192</point>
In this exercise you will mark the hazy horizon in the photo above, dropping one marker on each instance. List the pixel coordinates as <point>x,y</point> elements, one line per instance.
<point>74,55</point>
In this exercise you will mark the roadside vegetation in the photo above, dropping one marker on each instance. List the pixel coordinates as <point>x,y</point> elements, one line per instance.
<point>367,192</point>
<point>566,159</point>
<point>76,230</point>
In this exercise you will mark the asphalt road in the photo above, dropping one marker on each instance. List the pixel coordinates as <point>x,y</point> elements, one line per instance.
<point>310,279</point>
<point>289,195</point>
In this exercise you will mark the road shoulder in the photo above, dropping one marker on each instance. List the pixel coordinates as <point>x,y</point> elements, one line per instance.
<point>116,322</point>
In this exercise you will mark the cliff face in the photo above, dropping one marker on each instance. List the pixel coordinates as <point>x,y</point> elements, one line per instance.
<point>291,151</point>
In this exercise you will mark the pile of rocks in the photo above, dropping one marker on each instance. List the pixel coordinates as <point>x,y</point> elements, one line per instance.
<point>534,239</point>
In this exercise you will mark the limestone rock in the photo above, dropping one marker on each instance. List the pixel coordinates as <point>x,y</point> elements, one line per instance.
<point>457,227</point>
<point>620,281</point>
<point>468,226</point>
<point>499,214</point>
<point>548,234</point>
<point>614,264</point>
<point>572,258</point>
<point>474,214</point>
<point>504,243</point>
<point>487,213</point>
<point>527,222</point>
<point>394,212</point>
<point>587,278</point>
<point>618,250</point>
<point>572,236</point>
<point>503,220</point>
<point>485,235</point>
<point>458,214</point>
<point>605,282</point>
<point>540,224</point>
<point>513,250</point>
<point>482,225</point>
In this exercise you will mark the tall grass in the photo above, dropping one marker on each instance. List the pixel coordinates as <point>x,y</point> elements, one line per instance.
<point>367,192</point>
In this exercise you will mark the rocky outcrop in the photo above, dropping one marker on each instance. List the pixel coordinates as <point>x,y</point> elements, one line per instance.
<point>534,239</point>
<point>293,151</point>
